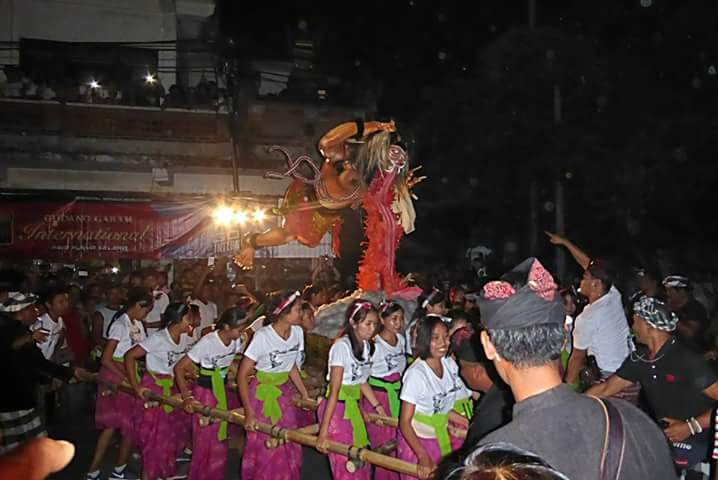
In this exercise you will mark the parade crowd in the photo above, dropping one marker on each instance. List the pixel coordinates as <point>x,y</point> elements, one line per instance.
<point>516,378</point>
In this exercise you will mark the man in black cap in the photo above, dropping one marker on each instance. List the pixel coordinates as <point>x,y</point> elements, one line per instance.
<point>579,435</point>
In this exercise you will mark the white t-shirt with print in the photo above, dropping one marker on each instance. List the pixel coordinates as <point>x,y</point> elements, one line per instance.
<point>388,359</point>
<point>161,300</point>
<point>107,314</point>
<point>429,393</point>
<point>162,352</point>
<point>54,327</point>
<point>210,352</point>
<point>207,312</point>
<point>128,333</point>
<point>274,354</point>
<point>355,371</point>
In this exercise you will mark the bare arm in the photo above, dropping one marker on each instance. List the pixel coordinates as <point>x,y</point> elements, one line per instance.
<point>336,137</point>
<point>107,360</point>
<point>335,384</point>
<point>182,369</point>
<point>426,465</point>
<point>575,363</point>
<point>246,368</point>
<point>298,382</point>
<point>609,388</point>
<point>579,255</point>
<point>368,392</point>
<point>131,367</point>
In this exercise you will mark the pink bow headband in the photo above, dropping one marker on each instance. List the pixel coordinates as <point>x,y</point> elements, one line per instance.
<point>363,305</point>
<point>285,303</point>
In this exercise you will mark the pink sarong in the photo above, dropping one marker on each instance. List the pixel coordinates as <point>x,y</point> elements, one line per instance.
<point>159,436</point>
<point>340,430</point>
<point>118,410</point>
<point>209,455</point>
<point>282,463</point>
<point>431,446</point>
<point>380,435</point>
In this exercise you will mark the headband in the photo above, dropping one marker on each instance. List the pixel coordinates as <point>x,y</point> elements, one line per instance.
<point>385,306</point>
<point>362,305</point>
<point>285,303</point>
<point>433,293</point>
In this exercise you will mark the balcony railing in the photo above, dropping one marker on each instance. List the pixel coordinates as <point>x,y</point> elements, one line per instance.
<point>112,121</point>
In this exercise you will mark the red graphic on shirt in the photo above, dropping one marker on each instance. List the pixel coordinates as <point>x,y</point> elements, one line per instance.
<point>670,378</point>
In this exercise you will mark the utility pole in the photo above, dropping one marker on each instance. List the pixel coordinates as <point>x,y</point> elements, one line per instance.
<point>533,187</point>
<point>558,192</point>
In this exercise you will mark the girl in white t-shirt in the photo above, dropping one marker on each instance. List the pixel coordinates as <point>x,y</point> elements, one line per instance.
<point>431,302</point>
<point>163,430</point>
<point>213,353</point>
<point>349,369</point>
<point>273,356</point>
<point>428,394</point>
<point>388,365</point>
<point>118,410</point>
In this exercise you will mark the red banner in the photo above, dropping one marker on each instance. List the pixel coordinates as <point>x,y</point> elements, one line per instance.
<point>84,229</point>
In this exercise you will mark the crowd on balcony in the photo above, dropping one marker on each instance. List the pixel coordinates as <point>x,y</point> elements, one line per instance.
<point>147,92</point>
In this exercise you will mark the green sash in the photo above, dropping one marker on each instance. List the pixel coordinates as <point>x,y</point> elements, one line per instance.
<point>268,393</point>
<point>166,385</point>
<point>392,391</point>
<point>440,423</point>
<point>350,395</point>
<point>217,376</point>
<point>465,407</point>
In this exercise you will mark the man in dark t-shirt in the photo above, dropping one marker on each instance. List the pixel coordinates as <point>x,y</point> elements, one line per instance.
<point>680,387</point>
<point>693,322</point>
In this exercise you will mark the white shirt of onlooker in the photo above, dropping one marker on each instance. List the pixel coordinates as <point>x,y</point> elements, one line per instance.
<point>54,327</point>
<point>602,330</point>
<point>161,300</point>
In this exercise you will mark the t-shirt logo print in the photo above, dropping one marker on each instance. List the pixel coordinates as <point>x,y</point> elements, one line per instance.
<point>392,360</point>
<point>437,400</point>
<point>274,356</point>
<point>356,371</point>
<point>172,357</point>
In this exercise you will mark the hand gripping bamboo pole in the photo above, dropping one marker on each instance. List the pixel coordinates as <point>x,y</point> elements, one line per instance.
<point>354,454</point>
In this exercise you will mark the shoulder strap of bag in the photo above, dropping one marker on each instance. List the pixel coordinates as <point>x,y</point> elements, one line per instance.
<point>614,442</point>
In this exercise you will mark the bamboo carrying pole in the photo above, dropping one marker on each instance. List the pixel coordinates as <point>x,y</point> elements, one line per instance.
<point>374,418</point>
<point>357,456</point>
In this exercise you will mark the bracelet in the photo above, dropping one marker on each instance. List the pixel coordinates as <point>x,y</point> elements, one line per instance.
<point>690,427</point>
<point>696,425</point>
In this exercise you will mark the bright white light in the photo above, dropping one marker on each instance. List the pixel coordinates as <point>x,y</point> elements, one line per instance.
<point>115,270</point>
<point>94,84</point>
<point>223,215</point>
<point>240,217</point>
<point>259,215</point>
<point>149,78</point>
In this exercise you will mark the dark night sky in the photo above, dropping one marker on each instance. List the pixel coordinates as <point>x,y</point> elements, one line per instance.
<point>638,80</point>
